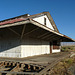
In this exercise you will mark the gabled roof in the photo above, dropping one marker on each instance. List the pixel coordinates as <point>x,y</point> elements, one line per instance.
<point>52,21</point>
<point>26,19</point>
<point>26,16</point>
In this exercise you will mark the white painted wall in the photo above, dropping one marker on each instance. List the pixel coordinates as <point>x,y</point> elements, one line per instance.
<point>9,44</point>
<point>13,52</point>
<point>41,20</point>
<point>31,47</point>
<point>56,50</point>
<point>10,47</point>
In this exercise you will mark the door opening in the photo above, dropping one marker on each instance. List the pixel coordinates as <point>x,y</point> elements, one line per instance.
<point>50,47</point>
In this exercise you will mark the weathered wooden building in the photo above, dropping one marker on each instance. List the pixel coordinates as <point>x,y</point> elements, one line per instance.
<point>29,35</point>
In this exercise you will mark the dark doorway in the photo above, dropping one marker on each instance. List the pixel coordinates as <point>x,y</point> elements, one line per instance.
<point>50,47</point>
<point>56,45</point>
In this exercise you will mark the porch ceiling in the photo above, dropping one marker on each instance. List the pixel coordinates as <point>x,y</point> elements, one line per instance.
<point>40,33</point>
<point>34,29</point>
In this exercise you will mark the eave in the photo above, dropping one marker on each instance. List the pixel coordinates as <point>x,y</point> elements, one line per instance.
<point>49,35</point>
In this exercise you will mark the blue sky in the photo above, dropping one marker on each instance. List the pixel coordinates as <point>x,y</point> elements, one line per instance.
<point>62,11</point>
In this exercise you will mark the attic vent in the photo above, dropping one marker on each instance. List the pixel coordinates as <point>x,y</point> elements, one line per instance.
<point>44,21</point>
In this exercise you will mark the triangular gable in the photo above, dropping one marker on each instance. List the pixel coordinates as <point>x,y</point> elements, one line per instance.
<point>44,21</point>
<point>52,21</point>
<point>40,18</point>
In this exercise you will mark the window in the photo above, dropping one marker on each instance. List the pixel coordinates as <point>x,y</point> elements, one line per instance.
<point>56,45</point>
<point>44,21</point>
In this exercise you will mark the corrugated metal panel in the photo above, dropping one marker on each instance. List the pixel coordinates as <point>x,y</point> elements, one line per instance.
<point>11,21</point>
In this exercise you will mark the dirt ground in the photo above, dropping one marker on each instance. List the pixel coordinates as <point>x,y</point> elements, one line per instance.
<point>47,58</point>
<point>64,67</point>
<point>45,62</point>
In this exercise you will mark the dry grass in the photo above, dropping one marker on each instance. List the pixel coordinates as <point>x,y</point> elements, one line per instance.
<point>62,67</point>
<point>68,48</point>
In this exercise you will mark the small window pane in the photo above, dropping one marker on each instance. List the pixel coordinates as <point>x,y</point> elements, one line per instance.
<point>44,21</point>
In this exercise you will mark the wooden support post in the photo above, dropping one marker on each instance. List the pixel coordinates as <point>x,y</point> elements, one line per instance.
<point>56,38</point>
<point>43,35</point>
<point>31,31</point>
<point>47,36</point>
<point>14,31</point>
<point>53,37</point>
<point>23,31</point>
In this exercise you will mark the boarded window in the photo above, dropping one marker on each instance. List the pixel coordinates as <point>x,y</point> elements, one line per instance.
<point>56,45</point>
<point>44,21</point>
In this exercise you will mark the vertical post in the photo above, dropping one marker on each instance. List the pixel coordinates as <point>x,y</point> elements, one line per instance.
<point>50,47</point>
<point>23,31</point>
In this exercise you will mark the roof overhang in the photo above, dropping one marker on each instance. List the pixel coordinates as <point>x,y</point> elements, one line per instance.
<point>49,35</point>
<point>56,35</point>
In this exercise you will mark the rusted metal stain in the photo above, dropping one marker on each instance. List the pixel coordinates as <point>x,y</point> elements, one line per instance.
<point>12,21</point>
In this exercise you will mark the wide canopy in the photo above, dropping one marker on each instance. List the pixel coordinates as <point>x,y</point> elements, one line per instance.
<point>28,27</point>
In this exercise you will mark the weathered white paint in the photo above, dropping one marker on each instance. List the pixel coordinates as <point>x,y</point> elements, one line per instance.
<point>31,47</point>
<point>9,44</point>
<point>56,50</point>
<point>10,47</point>
<point>13,52</point>
<point>40,19</point>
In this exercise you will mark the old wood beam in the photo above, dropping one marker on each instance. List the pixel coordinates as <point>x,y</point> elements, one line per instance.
<point>2,64</point>
<point>43,35</point>
<point>38,65</point>
<point>14,73</point>
<point>57,38</point>
<point>23,31</point>
<point>50,66</point>
<point>47,68</point>
<point>31,31</point>
<point>15,68</point>
<point>54,36</point>
<point>14,31</point>
<point>2,69</point>
<point>47,36</point>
